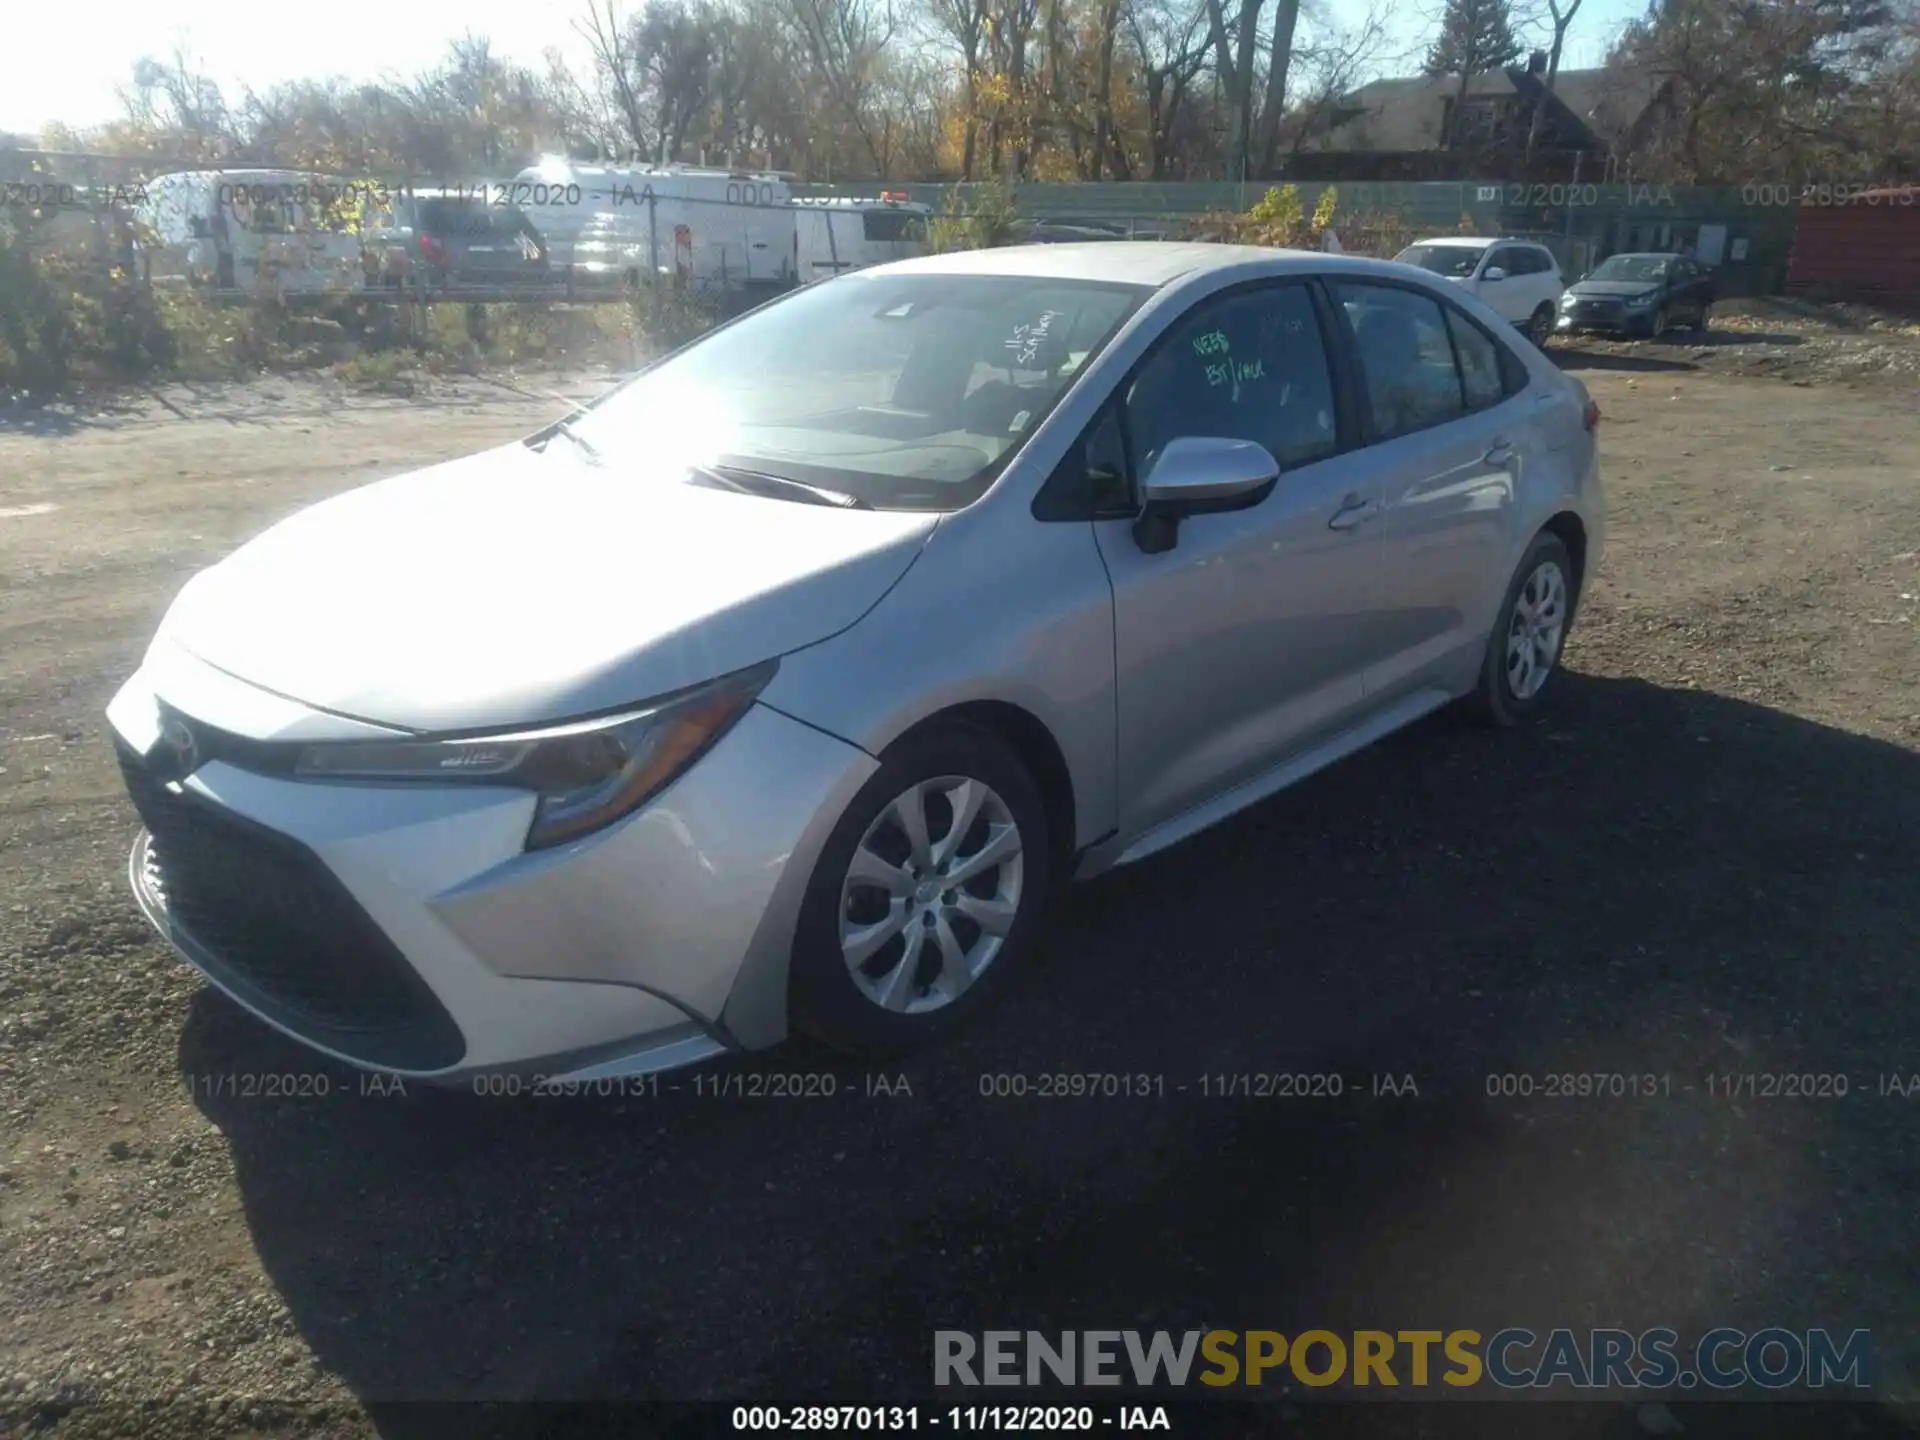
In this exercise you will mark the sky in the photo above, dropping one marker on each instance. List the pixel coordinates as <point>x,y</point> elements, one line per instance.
<point>67,59</point>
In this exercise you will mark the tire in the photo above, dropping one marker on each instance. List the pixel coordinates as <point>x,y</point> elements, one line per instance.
<point>893,1007</point>
<point>1501,698</point>
<point>1540,326</point>
<point>1658,325</point>
<point>1702,320</point>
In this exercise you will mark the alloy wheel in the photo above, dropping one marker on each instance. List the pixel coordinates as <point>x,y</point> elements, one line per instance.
<point>1534,632</point>
<point>931,893</point>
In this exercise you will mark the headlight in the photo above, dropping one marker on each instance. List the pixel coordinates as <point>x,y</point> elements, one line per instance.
<point>1640,302</point>
<point>587,774</point>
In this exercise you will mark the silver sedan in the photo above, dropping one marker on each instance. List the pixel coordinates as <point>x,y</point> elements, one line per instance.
<point>782,684</point>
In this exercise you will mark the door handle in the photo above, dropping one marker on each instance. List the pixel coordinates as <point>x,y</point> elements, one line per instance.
<point>1354,511</point>
<point>1500,453</point>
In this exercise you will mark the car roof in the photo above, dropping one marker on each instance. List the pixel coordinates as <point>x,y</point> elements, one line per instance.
<point>1155,263</point>
<point>1642,255</point>
<point>1482,242</point>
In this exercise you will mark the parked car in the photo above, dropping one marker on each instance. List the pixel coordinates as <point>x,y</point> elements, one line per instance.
<point>780,685</point>
<point>1640,294</point>
<point>1520,279</point>
<point>454,238</point>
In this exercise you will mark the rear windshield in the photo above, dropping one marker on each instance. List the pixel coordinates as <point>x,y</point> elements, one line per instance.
<point>895,225</point>
<point>1455,260</point>
<point>1632,267</point>
<point>471,217</point>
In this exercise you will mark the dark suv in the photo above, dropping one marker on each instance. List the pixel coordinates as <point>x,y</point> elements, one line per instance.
<point>454,239</point>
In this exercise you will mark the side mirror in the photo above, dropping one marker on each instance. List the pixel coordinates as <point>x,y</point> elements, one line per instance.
<point>1201,475</point>
<point>1493,272</point>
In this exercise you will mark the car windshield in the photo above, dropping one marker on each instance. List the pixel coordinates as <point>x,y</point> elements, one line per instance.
<point>906,392</point>
<point>1454,260</point>
<point>1632,267</point>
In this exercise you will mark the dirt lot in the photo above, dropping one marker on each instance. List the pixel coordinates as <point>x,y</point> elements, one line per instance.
<point>1701,864</point>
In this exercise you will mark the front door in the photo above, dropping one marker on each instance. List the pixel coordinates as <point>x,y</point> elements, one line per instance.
<point>1249,638</point>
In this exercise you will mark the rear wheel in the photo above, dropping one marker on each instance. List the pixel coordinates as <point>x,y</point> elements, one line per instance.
<point>926,896</point>
<point>1524,649</point>
<point>1540,326</point>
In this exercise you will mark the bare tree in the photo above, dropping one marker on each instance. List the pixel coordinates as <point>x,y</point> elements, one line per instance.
<point>1286,20</point>
<point>845,42</point>
<point>1562,12</point>
<point>617,71</point>
<point>1233,66</point>
<point>1170,40</point>
<point>1329,65</point>
<point>965,24</point>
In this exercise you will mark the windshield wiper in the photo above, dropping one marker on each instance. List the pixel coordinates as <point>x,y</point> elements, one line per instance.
<point>587,447</point>
<point>757,482</point>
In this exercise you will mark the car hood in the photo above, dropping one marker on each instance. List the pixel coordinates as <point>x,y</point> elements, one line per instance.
<point>1610,289</point>
<point>516,586</point>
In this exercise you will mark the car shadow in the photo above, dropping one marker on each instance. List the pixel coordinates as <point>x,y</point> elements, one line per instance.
<point>1722,339</point>
<point>1649,887</point>
<point>1569,357</point>
<point>67,415</point>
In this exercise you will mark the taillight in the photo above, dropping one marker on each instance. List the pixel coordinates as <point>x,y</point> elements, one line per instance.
<point>1593,414</point>
<point>433,250</point>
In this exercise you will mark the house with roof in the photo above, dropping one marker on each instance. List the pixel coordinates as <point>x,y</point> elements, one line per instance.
<point>1423,127</point>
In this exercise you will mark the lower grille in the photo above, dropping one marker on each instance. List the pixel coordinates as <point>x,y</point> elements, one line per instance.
<point>267,918</point>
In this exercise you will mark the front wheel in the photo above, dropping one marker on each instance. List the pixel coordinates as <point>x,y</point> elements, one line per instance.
<point>1658,326</point>
<point>1529,635</point>
<point>1702,320</point>
<point>1540,326</point>
<point>926,896</point>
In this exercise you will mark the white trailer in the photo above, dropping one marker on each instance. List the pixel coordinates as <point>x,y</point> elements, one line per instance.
<point>712,229</point>
<point>833,236</point>
<point>283,230</point>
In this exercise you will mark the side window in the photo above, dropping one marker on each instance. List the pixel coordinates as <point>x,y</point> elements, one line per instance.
<point>1246,366</point>
<point>1502,259</point>
<point>1405,355</point>
<point>1479,362</point>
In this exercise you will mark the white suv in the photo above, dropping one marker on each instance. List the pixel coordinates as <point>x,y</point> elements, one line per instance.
<point>1518,278</point>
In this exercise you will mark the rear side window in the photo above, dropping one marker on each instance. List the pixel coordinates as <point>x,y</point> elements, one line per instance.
<point>1479,355</point>
<point>466,218</point>
<point>894,225</point>
<point>1406,357</point>
<point>510,220</point>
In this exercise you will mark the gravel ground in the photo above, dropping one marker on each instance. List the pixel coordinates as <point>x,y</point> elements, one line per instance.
<point>1701,863</point>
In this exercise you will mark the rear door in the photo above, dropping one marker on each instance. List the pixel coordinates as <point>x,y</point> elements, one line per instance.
<point>1508,294</point>
<point>1543,277</point>
<point>1443,418</point>
<point>502,247</point>
<point>1248,639</point>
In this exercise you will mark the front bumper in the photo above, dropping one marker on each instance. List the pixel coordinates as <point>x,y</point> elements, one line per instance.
<point>404,929</point>
<point>1609,321</point>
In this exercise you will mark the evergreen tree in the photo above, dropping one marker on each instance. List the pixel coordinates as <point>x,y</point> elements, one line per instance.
<point>1475,35</point>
